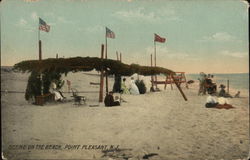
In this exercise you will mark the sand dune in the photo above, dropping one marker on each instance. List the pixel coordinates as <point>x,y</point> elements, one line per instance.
<point>161,123</point>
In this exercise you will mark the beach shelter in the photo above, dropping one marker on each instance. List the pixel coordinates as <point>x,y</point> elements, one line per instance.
<point>76,64</point>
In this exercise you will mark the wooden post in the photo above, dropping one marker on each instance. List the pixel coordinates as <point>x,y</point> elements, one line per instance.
<point>106,57</point>
<point>155,65</point>
<point>117,56</point>
<point>228,86</point>
<point>152,79</point>
<point>101,77</point>
<point>40,50</point>
<point>56,56</point>
<point>120,57</point>
<point>166,81</point>
<point>171,81</point>
<point>179,88</point>
<point>40,59</point>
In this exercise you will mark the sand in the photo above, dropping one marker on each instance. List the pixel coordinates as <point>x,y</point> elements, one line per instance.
<point>161,123</point>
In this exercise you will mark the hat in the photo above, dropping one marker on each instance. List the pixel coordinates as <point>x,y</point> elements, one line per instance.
<point>222,86</point>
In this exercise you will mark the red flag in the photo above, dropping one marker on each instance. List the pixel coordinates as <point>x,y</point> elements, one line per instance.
<point>159,39</point>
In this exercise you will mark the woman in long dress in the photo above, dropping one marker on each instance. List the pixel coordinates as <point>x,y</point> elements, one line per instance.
<point>53,90</point>
<point>133,87</point>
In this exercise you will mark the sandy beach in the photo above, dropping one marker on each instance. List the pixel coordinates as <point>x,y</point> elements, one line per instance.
<point>159,123</point>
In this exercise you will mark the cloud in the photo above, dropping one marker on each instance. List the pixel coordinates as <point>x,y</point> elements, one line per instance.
<point>24,24</point>
<point>164,51</point>
<point>234,54</point>
<point>63,20</point>
<point>34,16</point>
<point>142,14</point>
<point>92,29</point>
<point>135,14</point>
<point>219,37</point>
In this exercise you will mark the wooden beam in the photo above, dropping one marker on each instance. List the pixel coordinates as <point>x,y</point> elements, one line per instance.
<point>101,78</point>
<point>179,88</point>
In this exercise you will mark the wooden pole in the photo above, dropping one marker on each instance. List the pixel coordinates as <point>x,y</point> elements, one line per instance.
<point>120,57</point>
<point>152,79</point>
<point>179,88</point>
<point>56,56</point>
<point>106,56</point>
<point>228,86</point>
<point>155,64</point>
<point>40,59</point>
<point>117,56</point>
<point>101,77</point>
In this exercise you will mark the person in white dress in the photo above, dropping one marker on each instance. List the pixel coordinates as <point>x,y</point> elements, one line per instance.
<point>53,90</point>
<point>133,87</point>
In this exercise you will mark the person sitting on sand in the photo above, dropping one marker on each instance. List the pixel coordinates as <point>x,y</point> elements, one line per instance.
<point>124,87</point>
<point>222,102</point>
<point>54,90</point>
<point>211,101</point>
<point>109,100</point>
<point>222,92</point>
<point>133,87</point>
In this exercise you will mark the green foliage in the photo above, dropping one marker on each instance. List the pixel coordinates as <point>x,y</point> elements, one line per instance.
<point>65,65</point>
<point>141,86</point>
<point>33,88</point>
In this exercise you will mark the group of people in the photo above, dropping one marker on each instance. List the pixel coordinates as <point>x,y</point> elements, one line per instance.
<point>222,100</point>
<point>121,87</point>
<point>206,84</point>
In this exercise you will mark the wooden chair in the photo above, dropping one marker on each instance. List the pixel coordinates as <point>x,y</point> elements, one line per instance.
<point>78,99</point>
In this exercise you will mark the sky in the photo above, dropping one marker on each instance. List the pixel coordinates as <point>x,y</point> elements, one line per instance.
<point>201,36</point>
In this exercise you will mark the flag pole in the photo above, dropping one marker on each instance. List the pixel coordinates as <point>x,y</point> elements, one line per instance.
<point>155,64</point>
<point>40,55</point>
<point>106,56</point>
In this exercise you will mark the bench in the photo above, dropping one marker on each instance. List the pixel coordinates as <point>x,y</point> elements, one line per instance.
<point>48,97</point>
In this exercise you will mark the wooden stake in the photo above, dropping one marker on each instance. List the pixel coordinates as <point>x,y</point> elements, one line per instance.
<point>40,50</point>
<point>179,88</point>
<point>155,65</point>
<point>56,56</point>
<point>106,57</point>
<point>120,57</point>
<point>228,86</point>
<point>40,59</point>
<point>101,77</point>
<point>152,79</point>
<point>117,56</point>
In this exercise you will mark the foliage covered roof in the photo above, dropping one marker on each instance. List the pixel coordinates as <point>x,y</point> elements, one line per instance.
<point>75,64</point>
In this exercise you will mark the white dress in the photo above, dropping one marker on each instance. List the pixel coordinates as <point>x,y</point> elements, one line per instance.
<point>133,88</point>
<point>223,100</point>
<point>54,91</point>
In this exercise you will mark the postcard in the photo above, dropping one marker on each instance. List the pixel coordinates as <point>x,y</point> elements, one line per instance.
<point>125,79</point>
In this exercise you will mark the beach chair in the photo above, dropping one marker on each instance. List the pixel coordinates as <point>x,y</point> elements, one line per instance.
<point>77,99</point>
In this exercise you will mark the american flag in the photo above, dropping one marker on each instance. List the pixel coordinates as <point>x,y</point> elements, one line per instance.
<point>109,33</point>
<point>43,26</point>
<point>159,39</point>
